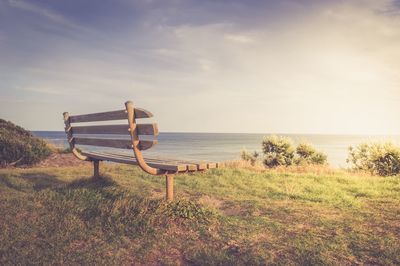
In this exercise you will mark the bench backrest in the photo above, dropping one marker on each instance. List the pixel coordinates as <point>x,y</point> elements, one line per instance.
<point>74,132</point>
<point>129,127</point>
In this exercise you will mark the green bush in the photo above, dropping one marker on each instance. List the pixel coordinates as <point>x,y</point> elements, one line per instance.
<point>378,158</point>
<point>277,151</point>
<point>19,147</point>
<point>250,157</point>
<point>280,151</point>
<point>307,154</point>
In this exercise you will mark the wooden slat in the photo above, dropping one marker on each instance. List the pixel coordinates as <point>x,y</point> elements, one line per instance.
<point>189,166</point>
<point>212,165</point>
<point>113,143</point>
<point>146,144</point>
<point>142,113</point>
<point>143,129</point>
<point>147,129</point>
<point>104,129</point>
<point>106,116</point>
<point>132,160</point>
<point>193,166</point>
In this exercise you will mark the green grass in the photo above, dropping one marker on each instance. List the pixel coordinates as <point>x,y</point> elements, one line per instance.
<point>221,217</point>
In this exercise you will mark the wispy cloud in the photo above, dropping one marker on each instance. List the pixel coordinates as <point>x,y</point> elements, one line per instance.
<point>53,16</point>
<point>239,38</point>
<point>43,91</point>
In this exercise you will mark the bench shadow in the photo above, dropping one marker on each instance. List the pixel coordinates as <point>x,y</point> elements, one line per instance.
<point>92,182</point>
<point>41,180</point>
<point>36,180</point>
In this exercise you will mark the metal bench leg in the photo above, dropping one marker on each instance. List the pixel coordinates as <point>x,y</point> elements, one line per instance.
<point>169,179</point>
<point>96,170</point>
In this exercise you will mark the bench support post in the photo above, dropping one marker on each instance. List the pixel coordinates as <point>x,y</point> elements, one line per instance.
<point>96,170</point>
<point>169,179</point>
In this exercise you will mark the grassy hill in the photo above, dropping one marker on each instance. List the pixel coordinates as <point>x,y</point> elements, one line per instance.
<point>222,217</point>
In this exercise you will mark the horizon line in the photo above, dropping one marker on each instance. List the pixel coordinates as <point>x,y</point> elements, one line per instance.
<point>260,133</point>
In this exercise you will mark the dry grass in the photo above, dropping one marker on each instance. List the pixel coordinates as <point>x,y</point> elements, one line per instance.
<point>242,164</point>
<point>302,169</point>
<point>230,216</point>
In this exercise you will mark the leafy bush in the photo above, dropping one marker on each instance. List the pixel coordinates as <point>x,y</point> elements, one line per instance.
<point>246,156</point>
<point>378,158</point>
<point>280,151</point>
<point>307,154</point>
<point>277,151</point>
<point>19,147</point>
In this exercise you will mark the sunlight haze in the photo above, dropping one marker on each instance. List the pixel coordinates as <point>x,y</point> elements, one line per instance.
<point>326,67</point>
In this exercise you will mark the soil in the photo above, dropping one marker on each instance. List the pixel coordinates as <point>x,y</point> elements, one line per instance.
<point>61,160</point>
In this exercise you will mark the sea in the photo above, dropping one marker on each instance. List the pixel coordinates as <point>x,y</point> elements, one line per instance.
<point>228,146</point>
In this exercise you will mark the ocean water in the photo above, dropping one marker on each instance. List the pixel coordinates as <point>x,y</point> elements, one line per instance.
<point>227,146</point>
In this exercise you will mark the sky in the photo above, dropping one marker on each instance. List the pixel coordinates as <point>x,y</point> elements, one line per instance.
<point>311,67</point>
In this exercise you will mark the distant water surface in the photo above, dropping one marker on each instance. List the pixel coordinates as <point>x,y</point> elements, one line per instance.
<point>227,146</point>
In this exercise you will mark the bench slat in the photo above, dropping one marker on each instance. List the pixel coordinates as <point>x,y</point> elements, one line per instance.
<point>114,143</point>
<point>106,116</point>
<point>199,165</point>
<point>143,129</point>
<point>132,160</point>
<point>146,144</point>
<point>180,166</point>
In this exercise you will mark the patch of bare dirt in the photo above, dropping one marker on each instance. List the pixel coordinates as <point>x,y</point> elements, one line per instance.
<point>210,201</point>
<point>61,160</point>
<point>233,211</point>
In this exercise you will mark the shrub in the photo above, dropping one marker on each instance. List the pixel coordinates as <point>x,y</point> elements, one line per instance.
<point>246,156</point>
<point>19,147</point>
<point>280,151</point>
<point>378,158</point>
<point>277,151</point>
<point>307,154</point>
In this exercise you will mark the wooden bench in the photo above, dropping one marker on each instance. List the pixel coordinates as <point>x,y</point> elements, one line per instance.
<point>78,135</point>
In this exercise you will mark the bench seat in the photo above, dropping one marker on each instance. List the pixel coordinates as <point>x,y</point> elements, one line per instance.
<point>164,164</point>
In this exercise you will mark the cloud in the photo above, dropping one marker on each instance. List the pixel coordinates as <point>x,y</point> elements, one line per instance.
<point>43,90</point>
<point>44,12</point>
<point>238,38</point>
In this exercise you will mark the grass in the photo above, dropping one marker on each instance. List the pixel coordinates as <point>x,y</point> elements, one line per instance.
<point>231,216</point>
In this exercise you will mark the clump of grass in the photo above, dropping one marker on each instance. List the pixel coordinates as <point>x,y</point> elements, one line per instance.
<point>188,210</point>
<point>243,164</point>
<point>60,149</point>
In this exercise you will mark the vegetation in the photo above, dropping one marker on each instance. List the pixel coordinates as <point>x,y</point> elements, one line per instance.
<point>250,157</point>
<point>230,216</point>
<point>377,158</point>
<point>277,151</point>
<point>19,147</point>
<point>307,154</point>
<point>280,151</point>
